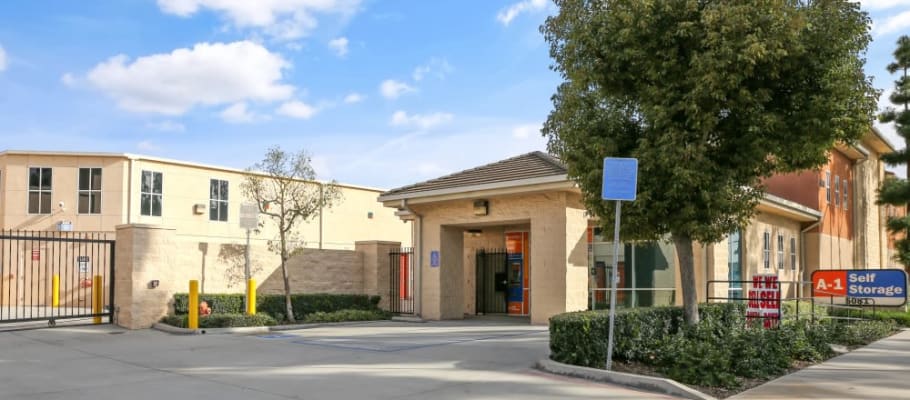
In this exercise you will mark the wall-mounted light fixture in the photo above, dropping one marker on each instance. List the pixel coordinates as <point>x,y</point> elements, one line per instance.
<point>153,284</point>
<point>369,215</point>
<point>481,208</point>
<point>199,209</point>
<point>475,232</point>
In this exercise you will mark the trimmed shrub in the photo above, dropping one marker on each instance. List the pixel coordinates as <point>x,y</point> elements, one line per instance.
<point>222,320</point>
<point>346,315</point>
<point>900,317</point>
<point>273,305</point>
<point>717,352</point>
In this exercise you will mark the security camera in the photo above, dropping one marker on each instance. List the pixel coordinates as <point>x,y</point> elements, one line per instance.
<point>60,204</point>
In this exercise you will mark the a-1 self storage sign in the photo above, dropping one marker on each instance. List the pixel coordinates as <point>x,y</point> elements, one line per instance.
<point>880,287</point>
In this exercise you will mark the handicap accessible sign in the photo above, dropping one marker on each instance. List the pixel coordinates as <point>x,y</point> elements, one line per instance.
<point>880,287</point>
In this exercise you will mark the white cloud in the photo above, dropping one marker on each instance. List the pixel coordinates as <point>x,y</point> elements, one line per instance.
<point>166,126</point>
<point>339,46</point>
<point>147,145</point>
<point>2,59</point>
<point>297,109</point>
<point>354,98</point>
<point>883,4</point>
<point>526,131</point>
<point>422,121</point>
<point>392,89</point>
<point>237,114</point>
<point>207,74</point>
<point>431,169</point>
<point>68,80</point>
<point>282,19</point>
<point>507,14</point>
<point>892,24</point>
<point>438,67</point>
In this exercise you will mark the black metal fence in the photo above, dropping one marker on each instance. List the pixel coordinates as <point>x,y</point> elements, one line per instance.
<point>50,276</point>
<point>492,282</point>
<point>401,281</point>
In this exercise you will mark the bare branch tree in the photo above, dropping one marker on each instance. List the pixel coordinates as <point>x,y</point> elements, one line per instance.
<point>284,186</point>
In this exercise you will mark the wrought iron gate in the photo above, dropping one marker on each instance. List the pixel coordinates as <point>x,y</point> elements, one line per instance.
<point>492,282</point>
<point>401,281</point>
<point>50,276</point>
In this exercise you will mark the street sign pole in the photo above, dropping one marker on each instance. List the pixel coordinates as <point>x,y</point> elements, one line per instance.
<point>246,271</point>
<point>615,281</point>
<point>249,220</point>
<point>620,183</point>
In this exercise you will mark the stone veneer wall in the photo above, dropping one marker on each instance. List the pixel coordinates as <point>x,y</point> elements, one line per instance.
<point>146,252</point>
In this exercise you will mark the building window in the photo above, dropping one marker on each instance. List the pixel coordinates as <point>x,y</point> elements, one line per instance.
<point>150,194</point>
<point>218,200</point>
<point>780,251</point>
<point>844,188</point>
<point>39,190</point>
<point>836,190</point>
<point>89,191</point>
<point>766,250</point>
<point>828,186</point>
<point>793,253</point>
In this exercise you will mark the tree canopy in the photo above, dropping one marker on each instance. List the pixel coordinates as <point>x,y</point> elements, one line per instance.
<point>711,97</point>
<point>896,191</point>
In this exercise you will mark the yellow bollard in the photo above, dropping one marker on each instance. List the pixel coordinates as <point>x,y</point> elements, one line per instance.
<point>251,297</point>
<point>192,321</point>
<point>55,287</point>
<point>97,298</point>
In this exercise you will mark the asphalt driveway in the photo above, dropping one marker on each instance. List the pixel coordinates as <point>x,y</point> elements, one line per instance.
<point>474,359</point>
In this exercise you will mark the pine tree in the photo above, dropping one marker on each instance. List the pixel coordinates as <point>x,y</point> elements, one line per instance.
<point>896,191</point>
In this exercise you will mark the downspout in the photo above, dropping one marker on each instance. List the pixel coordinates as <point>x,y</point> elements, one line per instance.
<point>418,262</point>
<point>801,270</point>
<point>321,207</point>
<point>129,193</point>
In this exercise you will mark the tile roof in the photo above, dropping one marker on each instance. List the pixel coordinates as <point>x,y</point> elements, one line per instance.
<point>526,166</point>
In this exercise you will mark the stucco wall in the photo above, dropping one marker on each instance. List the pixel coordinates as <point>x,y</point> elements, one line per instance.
<point>558,251</point>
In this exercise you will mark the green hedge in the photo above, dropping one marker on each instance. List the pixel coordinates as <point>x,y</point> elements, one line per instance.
<point>347,315</point>
<point>901,318</point>
<point>303,304</point>
<point>222,320</point>
<point>718,351</point>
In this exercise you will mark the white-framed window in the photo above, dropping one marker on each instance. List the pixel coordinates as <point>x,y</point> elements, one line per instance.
<point>766,250</point>
<point>844,190</point>
<point>836,190</point>
<point>793,253</point>
<point>39,190</point>
<point>780,251</point>
<point>150,194</point>
<point>218,200</point>
<point>828,186</point>
<point>89,191</point>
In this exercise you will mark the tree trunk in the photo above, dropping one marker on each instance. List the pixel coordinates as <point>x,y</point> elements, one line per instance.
<point>687,277</point>
<point>287,282</point>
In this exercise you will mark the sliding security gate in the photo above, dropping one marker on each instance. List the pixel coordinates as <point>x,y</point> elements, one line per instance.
<point>401,281</point>
<point>492,282</point>
<point>50,276</point>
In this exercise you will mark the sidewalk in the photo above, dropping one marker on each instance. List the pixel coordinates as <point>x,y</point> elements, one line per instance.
<point>878,371</point>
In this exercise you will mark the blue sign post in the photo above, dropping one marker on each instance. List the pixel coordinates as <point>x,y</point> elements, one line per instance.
<point>620,183</point>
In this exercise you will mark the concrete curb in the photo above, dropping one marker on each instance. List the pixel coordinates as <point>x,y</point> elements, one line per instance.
<point>649,383</point>
<point>408,319</point>
<point>174,330</point>
<point>320,325</point>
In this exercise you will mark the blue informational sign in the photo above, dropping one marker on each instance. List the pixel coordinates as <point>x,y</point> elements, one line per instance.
<point>516,263</point>
<point>879,287</point>
<point>434,258</point>
<point>620,179</point>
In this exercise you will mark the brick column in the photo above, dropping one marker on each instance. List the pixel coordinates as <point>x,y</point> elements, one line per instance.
<point>375,257</point>
<point>144,253</point>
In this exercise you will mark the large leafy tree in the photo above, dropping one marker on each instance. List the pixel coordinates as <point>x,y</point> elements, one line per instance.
<point>896,191</point>
<point>711,97</point>
<point>285,188</point>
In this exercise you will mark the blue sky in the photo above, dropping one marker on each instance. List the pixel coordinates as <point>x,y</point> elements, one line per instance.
<point>381,93</point>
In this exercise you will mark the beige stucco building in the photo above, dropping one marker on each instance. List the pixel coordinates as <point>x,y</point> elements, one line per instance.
<point>553,258</point>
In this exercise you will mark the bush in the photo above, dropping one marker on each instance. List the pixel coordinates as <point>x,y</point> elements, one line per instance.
<point>900,317</point>
<point>346,315</point>
<point>273,305</point>
<point>222,320</point>
<point>716,352</point>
